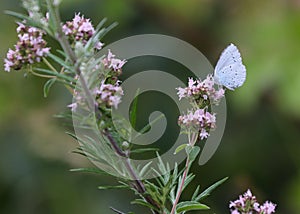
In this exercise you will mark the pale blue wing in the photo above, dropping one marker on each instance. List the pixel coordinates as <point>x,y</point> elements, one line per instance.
<point>231,76</point>
<point>229,56</point>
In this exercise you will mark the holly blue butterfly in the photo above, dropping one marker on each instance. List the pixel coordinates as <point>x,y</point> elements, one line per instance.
<point>230,71</point>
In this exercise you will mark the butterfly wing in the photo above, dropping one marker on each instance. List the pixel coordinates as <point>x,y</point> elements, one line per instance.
<point>230,70</point>
<point>231,76</point>
<point>229,56</point>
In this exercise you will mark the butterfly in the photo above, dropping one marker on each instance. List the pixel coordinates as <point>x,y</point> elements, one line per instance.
<point>230,71</point>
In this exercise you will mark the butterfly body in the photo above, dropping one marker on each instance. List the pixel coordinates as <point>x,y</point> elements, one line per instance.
<point>230,71</point>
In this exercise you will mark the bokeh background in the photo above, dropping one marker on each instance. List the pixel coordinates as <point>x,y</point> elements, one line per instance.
<point>260,148</point>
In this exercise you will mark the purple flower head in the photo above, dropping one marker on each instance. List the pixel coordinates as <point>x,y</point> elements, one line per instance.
<point>109,94</point>
<point>247,204</point>
<point>267,208</point>
<point>30,48</point>
<point>113,63</point>
<point>201,90</point>
<point>80,29</point>
<point>73,106</point>
<point>200,120</point>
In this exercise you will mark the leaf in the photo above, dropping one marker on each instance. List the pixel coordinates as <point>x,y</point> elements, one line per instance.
<point>60,61</point>
<point>133,111</point>
<point>190,205</point>
<point>192,152</point>
<point>100,24</point>
<point>90,170</point>
<point>137,151</point>
<point>144,169</point>
<point>148,126</point>
<point>179,148</point>
<point>143,203</point>
<point>207,192</point>
<point>113,187</point>
<point>23,17</point>
<point>48,85</point>
<point>106,30</point>
<point>62,76</point>
<point>196,193</point>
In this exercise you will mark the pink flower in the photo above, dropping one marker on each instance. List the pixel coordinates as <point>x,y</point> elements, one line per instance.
<point>30,48</point>
<point>73,106</point>
<point>247,204</point>
<point>80,29</point>
<point>267,208</point>
<point>200,120</point>
<point>109,94</point>
<point>203,134</point>
<point>87,27</point>
<point>113,63</point>
<point>198,90</point>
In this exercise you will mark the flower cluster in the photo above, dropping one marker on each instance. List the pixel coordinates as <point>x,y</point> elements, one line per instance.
<point>109,94</point>
<point>30,48</point>
<point>80,29</point>
<point>201,90</point>
<point>201,120</point>
<point>111,62</point>
<point>203,93</point>
<point>247,204</point>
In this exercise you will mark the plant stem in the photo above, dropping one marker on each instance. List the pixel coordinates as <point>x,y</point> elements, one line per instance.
<point>49,64</point>
<point>181,185</point>
<point>116,211</point>
<point>72,57</point>
<point>139,185</point>
<point>42,75</point>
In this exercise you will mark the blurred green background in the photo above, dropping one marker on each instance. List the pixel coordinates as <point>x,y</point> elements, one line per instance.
<point>260,148</point>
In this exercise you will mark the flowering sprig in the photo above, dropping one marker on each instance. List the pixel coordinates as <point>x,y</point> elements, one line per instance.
<point>200,120</point>
<point>201,91</point>
<point>113,63</point>
<point>109,95</point>
<point>197,122</point>
<point>247,204</point>
<point>80,29</point>
<point>30,48</point>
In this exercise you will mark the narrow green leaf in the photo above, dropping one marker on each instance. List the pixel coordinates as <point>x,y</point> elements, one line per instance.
<point>148,126</point>
<point>196,193</point>
<point>60,61</point>
<point>143,203</point>
<point>190,205</point>
<point>145,169</point>
<point>62,76</point>
<point>207,192</point>
<point>48,85</point>
<point>133,111</point>
<point>100,25</point>
<point>188,180</point>
<point>17,15</point>
<point>28,20</point>
<point>112,187</point>
<point>137,151</point>
<point>109,28</point>
<point>23,17</point>
<point>89,170</point>
<point>179,148</point>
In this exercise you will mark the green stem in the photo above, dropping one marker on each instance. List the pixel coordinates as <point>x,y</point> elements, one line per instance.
<point>42,75</point>
<point>49,65</point>
<point>91,103</point>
